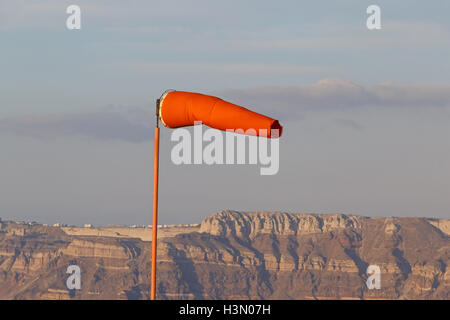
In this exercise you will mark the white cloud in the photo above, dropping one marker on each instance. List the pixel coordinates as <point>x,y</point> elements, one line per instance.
<point>112,123</point>
<point>338,94</point>
<point>285,103</point>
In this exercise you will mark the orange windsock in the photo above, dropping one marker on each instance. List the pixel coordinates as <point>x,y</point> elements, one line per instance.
<point>180,109</point>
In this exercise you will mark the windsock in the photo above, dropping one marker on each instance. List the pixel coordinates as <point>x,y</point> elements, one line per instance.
<point>181,109</point>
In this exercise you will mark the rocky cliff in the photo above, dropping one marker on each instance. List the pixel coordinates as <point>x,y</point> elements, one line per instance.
<point>234,255</point>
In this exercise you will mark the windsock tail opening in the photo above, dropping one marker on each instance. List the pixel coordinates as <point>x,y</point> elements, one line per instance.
<point>180,109</point>
<point>276,130</point>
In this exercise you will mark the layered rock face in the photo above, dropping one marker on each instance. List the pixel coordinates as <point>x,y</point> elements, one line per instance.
<point>235,255</point>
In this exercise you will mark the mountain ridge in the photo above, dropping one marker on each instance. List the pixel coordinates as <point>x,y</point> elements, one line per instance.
<point>233,255</point>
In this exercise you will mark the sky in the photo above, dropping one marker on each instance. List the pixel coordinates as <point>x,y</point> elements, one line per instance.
<point>366,113</point>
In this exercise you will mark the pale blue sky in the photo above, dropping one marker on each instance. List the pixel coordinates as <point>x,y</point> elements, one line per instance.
<point>129,53</point>
<point>76,135</point>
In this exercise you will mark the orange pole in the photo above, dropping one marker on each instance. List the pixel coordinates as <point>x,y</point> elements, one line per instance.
<point>155,213</point>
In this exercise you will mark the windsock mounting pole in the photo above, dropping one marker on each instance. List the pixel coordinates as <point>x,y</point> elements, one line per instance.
<point>155,205</point>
